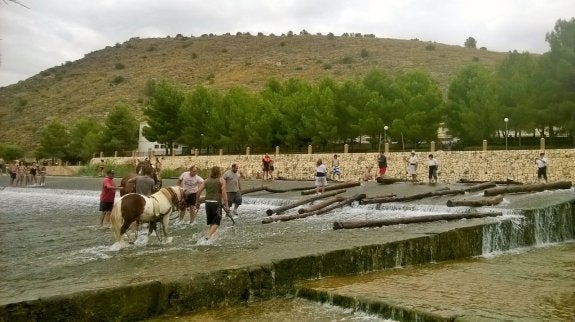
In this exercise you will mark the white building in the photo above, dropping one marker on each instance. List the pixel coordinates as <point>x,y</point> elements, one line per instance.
<point>147,148</point>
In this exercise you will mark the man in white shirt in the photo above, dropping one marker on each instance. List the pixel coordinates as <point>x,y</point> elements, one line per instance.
<point>190,182</point>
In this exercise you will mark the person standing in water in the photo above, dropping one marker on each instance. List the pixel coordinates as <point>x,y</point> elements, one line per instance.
<point>216,199</point>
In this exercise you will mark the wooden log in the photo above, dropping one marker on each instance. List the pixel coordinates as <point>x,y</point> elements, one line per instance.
<point>437,193</point>
<point>507,181</point>
<point>409,220</point>
<point>529,188</point>
<point>281,209</point>
<point>320,205</point>
<point>333,187</point>
<point>286,217</point>
<point>268,189</point>
<point>382,180</point>
<point>476,202</point>
<point>384,197</point>
<point>396,199</point>
<point>481,186</point>
<point>253,189</point>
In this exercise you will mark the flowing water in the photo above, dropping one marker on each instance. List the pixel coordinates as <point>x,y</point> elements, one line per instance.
<point>52,242</point>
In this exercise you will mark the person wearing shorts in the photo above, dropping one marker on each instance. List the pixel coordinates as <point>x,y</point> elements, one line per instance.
<point>216,199</point>
<point>233,188</point>
<point>320,177</point>
<point>190,181</point>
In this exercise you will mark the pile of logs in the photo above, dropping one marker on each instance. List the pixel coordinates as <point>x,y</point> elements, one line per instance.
<point>332,199</point>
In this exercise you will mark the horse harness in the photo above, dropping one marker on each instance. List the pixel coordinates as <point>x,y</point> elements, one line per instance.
<point>171,195</point>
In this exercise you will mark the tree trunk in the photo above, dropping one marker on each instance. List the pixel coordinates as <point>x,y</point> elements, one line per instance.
<point>313,213</point>
<point>333,187</point>
<point>287,190</point>
<point>507,181</point>
<point>476,202</point>
<point>254,189</point>
<point>320,205</point>
<point>409,220</point>
<point>382,180</point>
<point>281,209</point>
<point>529,188</point>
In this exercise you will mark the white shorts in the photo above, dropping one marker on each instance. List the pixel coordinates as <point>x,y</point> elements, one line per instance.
<point>320,181</point>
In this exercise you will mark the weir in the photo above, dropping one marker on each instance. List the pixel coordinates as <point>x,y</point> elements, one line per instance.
<point>239,268</point>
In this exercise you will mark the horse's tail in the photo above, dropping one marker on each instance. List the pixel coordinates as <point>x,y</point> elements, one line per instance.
<point>117,220</point>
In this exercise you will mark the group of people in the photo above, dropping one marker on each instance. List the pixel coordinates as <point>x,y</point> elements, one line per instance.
<point>221,192</point>
<point>22,174</point>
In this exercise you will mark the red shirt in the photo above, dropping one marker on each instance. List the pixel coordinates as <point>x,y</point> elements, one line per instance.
<point>108,192</point>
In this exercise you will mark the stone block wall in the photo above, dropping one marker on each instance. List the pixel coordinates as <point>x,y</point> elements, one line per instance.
<point>518,165</point>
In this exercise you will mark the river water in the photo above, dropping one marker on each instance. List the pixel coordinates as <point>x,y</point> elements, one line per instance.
<point>52,242</point>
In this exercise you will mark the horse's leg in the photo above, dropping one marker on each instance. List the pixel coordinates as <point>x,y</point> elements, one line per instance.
<point>165,222</point>
<point>125,227</point>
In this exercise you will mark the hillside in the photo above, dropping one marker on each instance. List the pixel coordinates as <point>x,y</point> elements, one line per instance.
<point>92,85</point>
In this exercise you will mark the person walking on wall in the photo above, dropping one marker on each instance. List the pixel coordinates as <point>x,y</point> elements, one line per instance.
<point>320,177</point>
<point>101,167</point>
<point>216,199</point>
<point>190,181</point>
<point>412,166</point>
<point>266,166</point>
<point>381,164</point>
<point>433,166</point>
<point>541,163</point>
<point>13,171</point>
<point>233,188</point>
<point>335,171</point>
<point>107,196</point>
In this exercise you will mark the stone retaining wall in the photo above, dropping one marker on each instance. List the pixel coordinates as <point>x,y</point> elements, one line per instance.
<point>517,165</point>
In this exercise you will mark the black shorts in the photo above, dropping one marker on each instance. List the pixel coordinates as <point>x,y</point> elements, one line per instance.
<point>13,175</point>
<point>189,200</point>
<point>106,205</point>
<point>213,213</point>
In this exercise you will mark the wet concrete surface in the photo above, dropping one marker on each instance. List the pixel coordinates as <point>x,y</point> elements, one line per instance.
<point>74,256</point>
<point>534,284</point>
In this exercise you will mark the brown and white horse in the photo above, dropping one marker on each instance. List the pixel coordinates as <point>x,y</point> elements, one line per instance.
<point>134,207</point>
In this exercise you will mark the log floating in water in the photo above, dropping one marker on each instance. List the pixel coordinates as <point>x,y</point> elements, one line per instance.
<point>320,205</point>
<point>409,220</point>
<point>333,187</point>
<point>507,181</point>
<point>346,201</point>
<point>529,188</point>
<point>281,209</point>
<point>476,202</point>
<point>287,190</point>
<point>437,193</point>
<point>254,189</point>
<point>382,180</point>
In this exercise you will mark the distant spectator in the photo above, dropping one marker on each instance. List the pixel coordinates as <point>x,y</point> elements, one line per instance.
<point>381,164</point>
<point>320,177</point>
<point>266,167</point>
<point>541,163</point>
<point>335,171</point>
<point>433,166</point>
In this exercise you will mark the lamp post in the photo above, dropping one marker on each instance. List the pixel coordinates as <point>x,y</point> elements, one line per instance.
<point>385,128</point>
<point>506,120</point>
<point>201,142</point>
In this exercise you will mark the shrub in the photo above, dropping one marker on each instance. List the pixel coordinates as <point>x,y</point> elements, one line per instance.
<point>475,59</point>
<point>194,55</point>
<point>429,47</point>
<point>364,53</point>
<point>118,80</point>
<point>326,66</point>
<point>119,66</point>
<point>347,60</point>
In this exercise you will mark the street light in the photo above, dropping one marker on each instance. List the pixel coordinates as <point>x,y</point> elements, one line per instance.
<point>201,141</point>
<point>506,120</point>
<point>385,128</point>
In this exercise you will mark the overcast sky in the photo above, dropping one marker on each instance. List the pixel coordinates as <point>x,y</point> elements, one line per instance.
<point>52,32</point>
